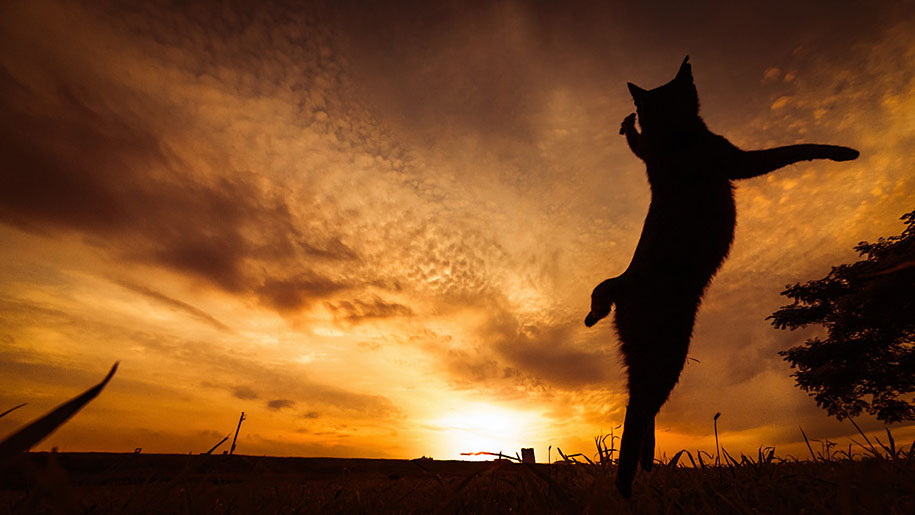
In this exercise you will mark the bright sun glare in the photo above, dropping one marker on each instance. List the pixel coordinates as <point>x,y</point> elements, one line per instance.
<point>482,428</point>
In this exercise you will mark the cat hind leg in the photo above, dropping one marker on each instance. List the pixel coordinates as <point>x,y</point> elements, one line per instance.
<point>650,383</point>
<point>647,458</point>
<point>634,431</point>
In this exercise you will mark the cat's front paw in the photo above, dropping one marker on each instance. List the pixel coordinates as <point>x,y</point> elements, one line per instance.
<point>843,154</point>
<point>628,124</point>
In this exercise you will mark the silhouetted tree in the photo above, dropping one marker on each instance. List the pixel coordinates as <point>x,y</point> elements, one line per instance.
<point>867,360</point>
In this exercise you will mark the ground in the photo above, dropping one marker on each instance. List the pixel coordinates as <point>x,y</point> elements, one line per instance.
<point>149,483</point>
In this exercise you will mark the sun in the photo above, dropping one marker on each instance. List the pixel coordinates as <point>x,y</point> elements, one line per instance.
<point>482,428</point>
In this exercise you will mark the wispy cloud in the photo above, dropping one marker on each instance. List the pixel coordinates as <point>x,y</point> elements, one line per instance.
<point>177,304</point>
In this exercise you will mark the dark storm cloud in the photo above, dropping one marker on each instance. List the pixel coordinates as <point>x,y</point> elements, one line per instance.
<point>359,310</point>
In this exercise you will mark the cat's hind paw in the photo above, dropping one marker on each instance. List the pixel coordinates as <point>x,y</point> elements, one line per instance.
<point>602,299</point>
<point>624,487</point>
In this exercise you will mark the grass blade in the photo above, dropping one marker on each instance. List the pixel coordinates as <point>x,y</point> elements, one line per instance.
<point>24,439</point>
<point>717,447</point>
<point>729,460</point>
<point>673,461</point>
<point>812,455</point>
<point>691,460</point>
<point>873,450</point>
<point>889,435</point>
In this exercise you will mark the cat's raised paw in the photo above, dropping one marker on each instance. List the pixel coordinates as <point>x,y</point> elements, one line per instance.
<point>628,124</point>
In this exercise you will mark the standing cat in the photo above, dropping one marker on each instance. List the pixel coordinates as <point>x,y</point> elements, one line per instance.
<point>686,237</point>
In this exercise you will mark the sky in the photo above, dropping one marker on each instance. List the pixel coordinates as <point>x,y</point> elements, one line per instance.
<point>374,227</point>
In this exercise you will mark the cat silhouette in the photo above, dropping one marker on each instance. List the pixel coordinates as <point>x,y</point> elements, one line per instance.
<point>687,235</point>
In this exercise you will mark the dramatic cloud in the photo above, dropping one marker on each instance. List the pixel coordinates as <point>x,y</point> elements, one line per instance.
<point>122,162</point>
<point>390,218</point>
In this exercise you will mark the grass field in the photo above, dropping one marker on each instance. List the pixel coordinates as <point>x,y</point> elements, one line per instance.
<point>879,479</point>
<point>140,483</point>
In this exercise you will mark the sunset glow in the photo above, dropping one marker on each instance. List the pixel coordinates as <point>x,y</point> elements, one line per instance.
<point>376,230</point>
<point>482,427</point>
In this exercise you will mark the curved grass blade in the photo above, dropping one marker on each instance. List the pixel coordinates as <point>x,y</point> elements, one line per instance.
<point>673,461</point>
<point>24,439</point>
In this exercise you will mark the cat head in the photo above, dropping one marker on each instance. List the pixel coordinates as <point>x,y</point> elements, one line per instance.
<point>667,107</point>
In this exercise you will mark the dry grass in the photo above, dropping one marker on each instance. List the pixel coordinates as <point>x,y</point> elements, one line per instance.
<point>881,482</point>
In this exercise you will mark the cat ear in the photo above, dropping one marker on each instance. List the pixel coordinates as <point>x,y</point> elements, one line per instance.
<point>636,92</point>
<point>686,71</point>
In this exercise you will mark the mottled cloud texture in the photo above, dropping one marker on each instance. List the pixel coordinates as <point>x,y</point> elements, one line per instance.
<point>367,227</point>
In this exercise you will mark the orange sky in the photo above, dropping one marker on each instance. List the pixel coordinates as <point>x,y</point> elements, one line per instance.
<point>376,231</point>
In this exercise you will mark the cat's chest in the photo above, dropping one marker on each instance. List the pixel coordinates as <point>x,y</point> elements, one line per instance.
<point>682,154</point>
<point>700,194</point>
<point>682,176</point>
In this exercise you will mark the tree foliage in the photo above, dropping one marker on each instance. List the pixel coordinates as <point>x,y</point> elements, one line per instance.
<point>867,360</point>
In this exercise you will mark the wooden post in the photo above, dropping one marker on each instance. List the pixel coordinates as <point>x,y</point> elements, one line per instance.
<point>527,455</point>
<point>240,419</point>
